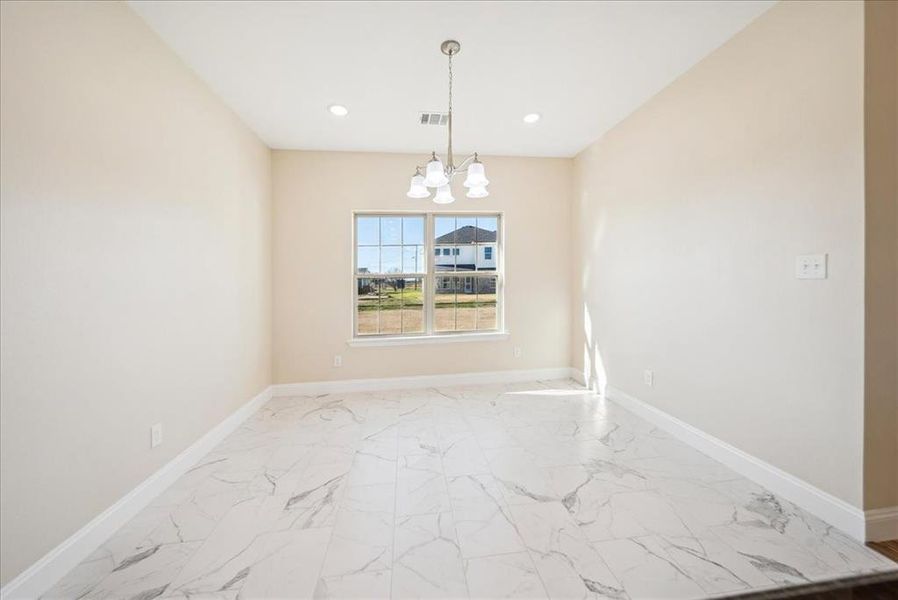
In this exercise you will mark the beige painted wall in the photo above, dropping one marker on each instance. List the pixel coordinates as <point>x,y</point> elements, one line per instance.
<point>688,217</point>
<point>881,284</point>
<point>136,264</point>
<point>314,196</point>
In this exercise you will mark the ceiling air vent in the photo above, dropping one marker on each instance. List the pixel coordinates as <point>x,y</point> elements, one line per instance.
<point>434,118</point>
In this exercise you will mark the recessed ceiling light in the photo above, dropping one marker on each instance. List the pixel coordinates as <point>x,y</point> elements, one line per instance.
<point>338,110</point>
<point>532,118</point>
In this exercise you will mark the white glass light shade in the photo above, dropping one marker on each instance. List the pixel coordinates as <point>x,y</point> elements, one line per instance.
<point>417,189</point>
<point>476,176</point>
<point>435,177</point>
<point>443,195</point>
<point>477,192</point>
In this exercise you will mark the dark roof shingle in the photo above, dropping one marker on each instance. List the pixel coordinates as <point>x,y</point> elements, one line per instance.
<point>467,235</point>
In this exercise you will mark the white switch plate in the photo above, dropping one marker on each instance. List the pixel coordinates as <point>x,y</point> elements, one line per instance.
<point>648,377</point>
<point>517,352</point>
<point>155,435</point>
<point>810,266</point>
<point>338,361</point>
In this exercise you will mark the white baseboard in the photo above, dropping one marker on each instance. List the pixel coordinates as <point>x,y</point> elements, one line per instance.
<point>42,575</point>
<point>882,524</point>
<point>834,511</point>
<point>419,381</point>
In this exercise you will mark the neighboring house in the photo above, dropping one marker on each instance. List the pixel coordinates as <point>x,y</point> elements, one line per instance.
<point>468,248</point>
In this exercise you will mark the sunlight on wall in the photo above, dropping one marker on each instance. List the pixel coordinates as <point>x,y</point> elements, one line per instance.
<point>594,375</point>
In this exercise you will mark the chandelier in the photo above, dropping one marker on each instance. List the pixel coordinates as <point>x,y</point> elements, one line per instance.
<point>437,175</point>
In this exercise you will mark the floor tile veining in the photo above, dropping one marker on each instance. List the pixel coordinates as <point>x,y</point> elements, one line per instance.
<point>528,490</point>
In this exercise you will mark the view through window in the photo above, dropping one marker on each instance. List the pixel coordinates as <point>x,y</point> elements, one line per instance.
<point>418,274</point>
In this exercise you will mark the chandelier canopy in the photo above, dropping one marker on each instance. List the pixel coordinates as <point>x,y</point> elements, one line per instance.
<point>438,176</point>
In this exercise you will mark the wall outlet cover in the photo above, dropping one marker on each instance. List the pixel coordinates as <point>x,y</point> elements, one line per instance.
<point>648,377</point>
<point>155,435</point>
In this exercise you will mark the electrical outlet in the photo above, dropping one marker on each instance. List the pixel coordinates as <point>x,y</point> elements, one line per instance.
<point>648,377</point>
<point>338,361</point>
<point>155,435</point>
<point>518,352</point>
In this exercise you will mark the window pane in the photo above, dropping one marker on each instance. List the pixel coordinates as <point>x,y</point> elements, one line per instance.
<point>444,234</point>
<point>465,306</point>
<point>444,304</point>
<point>487,229</point>
<point>413,305</point>
<point>390,231</point>
<point>390,317</point>
<point>413,259</point>
<point>486,303</point>
<point>465,230</point>
<point>368,231</point>
<point>444,230</point>
<point>413,230</point>
<point>368,259</point>
<point>391,259</point>
<point>366,311</point>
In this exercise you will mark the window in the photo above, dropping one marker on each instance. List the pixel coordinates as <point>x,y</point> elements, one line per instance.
<point>400,292</point>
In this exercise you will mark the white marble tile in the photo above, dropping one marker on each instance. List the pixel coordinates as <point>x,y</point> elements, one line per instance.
<point>370,467</point>
<point>290,566</point>
<point>427,560</point>
<point>421,486</point>
<point>781,558</point>
<point>472,492</point>
<point>370,585</point>
<point>147,574</point>
<point>506,490</point>
<point>714,566</point>
<point>249,532</point>
<point>462,455</point>
<point>362,539</point>
<point>504,576</point>
<point>568,565</point>
<point>645,574</point>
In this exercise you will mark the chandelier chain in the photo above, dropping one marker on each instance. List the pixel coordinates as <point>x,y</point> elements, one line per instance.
<point>450,81</point>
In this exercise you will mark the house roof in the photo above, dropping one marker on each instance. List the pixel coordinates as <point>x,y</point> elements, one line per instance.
<point>467,235</point>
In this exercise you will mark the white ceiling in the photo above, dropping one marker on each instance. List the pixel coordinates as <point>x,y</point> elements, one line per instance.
<point>583,65</point>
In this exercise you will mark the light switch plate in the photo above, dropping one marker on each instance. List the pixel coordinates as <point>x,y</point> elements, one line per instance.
<point>810,266</point>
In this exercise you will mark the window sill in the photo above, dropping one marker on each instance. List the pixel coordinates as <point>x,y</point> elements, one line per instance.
<point>412,340</point>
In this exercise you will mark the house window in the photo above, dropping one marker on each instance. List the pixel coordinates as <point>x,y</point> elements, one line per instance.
<point>398,291</point>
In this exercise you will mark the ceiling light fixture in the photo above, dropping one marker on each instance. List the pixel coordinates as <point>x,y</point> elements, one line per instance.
<point>532,118</point>
<point>436,175</point>
<point>338,110</point>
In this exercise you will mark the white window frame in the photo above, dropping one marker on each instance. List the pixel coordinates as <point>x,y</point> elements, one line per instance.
<point>430,335</point>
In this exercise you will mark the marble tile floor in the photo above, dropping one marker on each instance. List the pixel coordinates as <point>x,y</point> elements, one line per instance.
<point>528,490</point>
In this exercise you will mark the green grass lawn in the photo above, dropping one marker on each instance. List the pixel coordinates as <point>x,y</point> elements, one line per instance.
<point>394,299</point>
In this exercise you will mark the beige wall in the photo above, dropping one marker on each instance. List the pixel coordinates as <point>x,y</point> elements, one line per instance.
<point>136,264</point>
<point>688,219</point>
<point>314,196</point>
<point>881,285</point>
